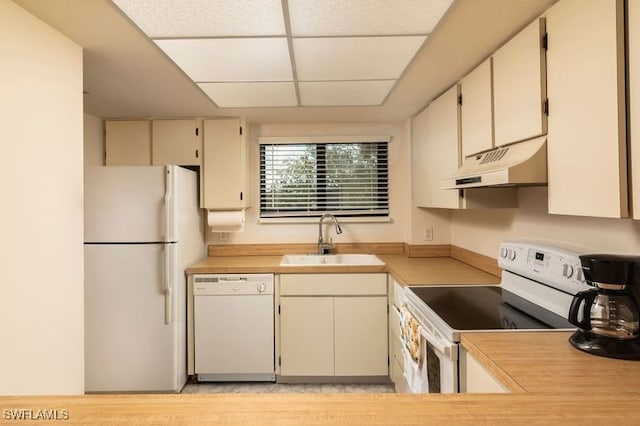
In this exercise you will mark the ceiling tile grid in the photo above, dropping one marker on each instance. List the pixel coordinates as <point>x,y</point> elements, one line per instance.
<point>265,53</point>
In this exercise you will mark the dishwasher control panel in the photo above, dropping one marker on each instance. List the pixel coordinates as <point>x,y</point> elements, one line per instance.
<point>232,284</point>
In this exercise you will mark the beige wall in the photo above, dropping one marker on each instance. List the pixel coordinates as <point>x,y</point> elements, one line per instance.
<point>41,255</point>
<point>399,190</point>
<point>93,141</point>
<point>482,230</point>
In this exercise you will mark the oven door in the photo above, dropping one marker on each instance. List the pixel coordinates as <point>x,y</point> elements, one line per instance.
<point>430,361</point>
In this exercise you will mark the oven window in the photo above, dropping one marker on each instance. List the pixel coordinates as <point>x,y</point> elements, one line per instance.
<point>433,370</point>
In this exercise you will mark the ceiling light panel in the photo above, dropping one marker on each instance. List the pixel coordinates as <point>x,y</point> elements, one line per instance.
<point>239,95</point>
<point>364,17</point>
<point>231,59</point>
<point>354,58</point>
<point>344,93</point>
<point>205,18</point>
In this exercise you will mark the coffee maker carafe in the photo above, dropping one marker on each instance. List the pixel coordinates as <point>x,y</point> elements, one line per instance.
<point>609,319</point>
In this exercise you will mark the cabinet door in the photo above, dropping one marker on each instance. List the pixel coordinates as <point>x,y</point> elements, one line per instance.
<point>306,336</point>
<point>176,142</point>
<point>225,165</point>
<point>476,115</point>
<point>634,102</point>
<point>361,336</point>
<point>519,86</point>
<point>128,143</point>
<point>585,83</point>
<point>435,151</point>
<point>474,378</point>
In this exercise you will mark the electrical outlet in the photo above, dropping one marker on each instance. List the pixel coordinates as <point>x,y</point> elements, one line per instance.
<point>428,233</point>
<point>224,236</point>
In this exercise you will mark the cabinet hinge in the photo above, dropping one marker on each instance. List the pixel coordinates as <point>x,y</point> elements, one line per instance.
<point>459,99</point>
<point>197,131</point>
<point>240,130</point>
<point>241,196</point>
<point>278,309</point>
<point>387,309</point>
<point>388,361</point>
<point>197,153</point>
<point>280,361</point>
<point>544,41</point>
<point>545,106</point>
<point>461,193</point>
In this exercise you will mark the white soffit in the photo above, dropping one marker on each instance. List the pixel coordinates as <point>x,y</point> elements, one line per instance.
<point>205,18</point>
<point>364,17</point>
<point>245,95</point>
<point>231,59</point>
<point>354,58</point>
<point>344,93</point>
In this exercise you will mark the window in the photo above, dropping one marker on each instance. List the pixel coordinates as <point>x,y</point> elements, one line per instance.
<point>299,179</point>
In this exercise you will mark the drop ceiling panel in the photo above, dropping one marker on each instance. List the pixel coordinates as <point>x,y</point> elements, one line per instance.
<point>364,17</point>
<point>355,58</point>
<point>234,59</point>
<point>344,93</point>
<point>239,95</point>
<point>200,18</point>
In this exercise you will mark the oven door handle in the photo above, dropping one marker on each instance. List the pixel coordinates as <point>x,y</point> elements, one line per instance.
<point>450,351</point>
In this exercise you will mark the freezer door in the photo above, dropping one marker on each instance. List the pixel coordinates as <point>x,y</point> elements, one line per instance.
<point>128,344</point>
<point>125,204</point>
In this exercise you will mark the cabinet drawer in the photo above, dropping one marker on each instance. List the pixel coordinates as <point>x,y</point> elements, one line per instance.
<point>333,284</point>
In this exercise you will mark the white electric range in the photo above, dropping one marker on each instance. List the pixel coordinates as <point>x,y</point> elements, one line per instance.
<point>538,284</point>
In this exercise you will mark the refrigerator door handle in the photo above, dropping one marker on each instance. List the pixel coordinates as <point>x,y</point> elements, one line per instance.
<point>168,281</point>
<point>169,220</point>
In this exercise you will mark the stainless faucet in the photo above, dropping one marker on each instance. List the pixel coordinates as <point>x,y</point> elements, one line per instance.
<point>323,247</point>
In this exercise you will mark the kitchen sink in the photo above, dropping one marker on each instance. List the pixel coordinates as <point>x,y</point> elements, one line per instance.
<point>330,260</point>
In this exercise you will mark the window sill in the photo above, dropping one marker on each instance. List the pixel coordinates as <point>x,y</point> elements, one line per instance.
<point>281,220</point>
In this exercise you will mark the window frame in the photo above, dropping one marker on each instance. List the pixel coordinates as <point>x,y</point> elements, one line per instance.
<point>311,216</point>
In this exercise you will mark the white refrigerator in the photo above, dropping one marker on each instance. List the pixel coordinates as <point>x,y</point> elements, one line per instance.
<point>142,228</point>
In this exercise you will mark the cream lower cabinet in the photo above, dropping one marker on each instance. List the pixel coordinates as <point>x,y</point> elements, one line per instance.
<point>474,378</point>
<point>333,325</point>
<point>586,144</point>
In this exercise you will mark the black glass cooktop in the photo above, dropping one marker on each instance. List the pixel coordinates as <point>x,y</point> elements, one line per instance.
<point>486,308</point>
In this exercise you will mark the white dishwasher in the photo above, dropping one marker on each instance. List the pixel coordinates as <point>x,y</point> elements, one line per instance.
<point>233,327</point>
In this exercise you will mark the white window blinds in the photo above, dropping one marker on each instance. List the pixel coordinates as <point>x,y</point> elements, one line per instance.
<point>309,179</point>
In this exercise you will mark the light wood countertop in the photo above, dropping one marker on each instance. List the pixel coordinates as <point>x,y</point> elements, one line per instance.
<point>406,270</point>
<point>546,362</point>
<point>586,407</point>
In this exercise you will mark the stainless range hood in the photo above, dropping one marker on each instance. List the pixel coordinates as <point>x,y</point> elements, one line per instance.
<point>523,163</point>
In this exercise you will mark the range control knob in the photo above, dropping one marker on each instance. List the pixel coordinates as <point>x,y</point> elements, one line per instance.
<point>503,252</point>
<point>511,254</point>
<point>567,270</point>
<point>579,276</point>
<point>261,288</point>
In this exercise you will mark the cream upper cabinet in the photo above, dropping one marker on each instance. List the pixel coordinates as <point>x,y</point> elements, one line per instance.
<point>176,142</point>
<point>519,86</point>
<point>127,143</point>
<point>435,151</point>
<point>476,113</point>
<point>633,13</point>
<point>586,124</point>
<point>226,165</point>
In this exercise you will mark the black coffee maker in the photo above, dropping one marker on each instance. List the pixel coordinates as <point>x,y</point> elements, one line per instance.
<point>609,319</point>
